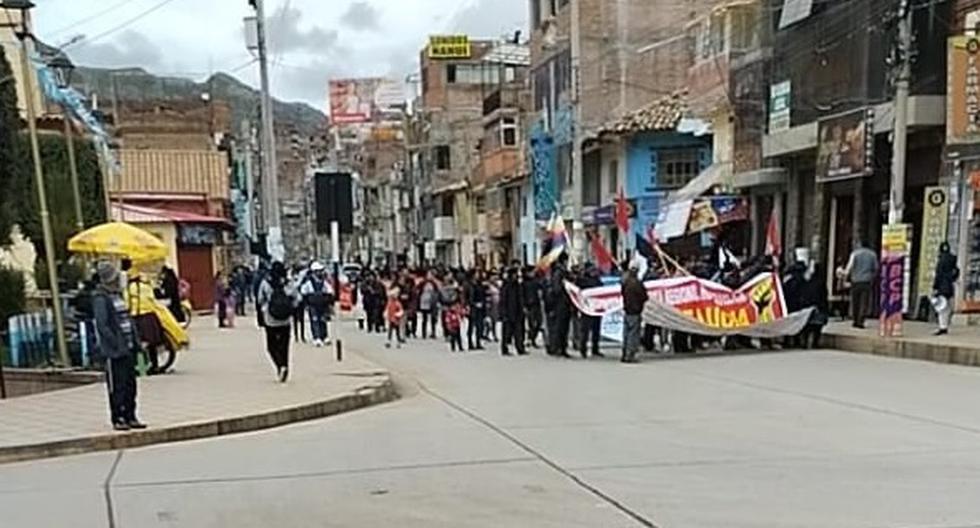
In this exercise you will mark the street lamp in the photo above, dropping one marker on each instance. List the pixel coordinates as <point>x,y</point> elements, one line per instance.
<point>63,68</point>
<point>23,34</point>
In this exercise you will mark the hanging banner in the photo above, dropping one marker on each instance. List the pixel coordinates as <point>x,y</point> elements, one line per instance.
<point>935,220</point>
<point>894,252</point>
<point>709,306</point>
<point>845,146</point>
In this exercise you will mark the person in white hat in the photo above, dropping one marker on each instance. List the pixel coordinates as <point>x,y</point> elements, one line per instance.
<point>318,294</point>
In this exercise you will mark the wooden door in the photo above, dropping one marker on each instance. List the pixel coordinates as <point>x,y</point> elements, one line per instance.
<point>195,266</point>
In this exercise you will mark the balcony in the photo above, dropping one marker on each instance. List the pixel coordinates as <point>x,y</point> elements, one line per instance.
<point>507,97</point>
<point>444,228</point>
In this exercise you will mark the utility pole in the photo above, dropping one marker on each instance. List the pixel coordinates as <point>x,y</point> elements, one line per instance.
<point>896,204</point>
<point>578,135</point>
<point>270,178</point>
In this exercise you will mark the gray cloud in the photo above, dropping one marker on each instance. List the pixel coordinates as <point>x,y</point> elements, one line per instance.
<point>491,18</point>
<point>361,16</point>
<point>128,49</point>
<point>285,34</point>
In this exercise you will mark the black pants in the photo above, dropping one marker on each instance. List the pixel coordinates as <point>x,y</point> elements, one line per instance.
<point>429,318</point>
<point>222,314</point>
<point>589,328</point>
<point>299,323</point>
<point>455,340</point>
<point>277,344</point>
<point>475,327</point>
<point>513,334</point>
<point>860,302</point>
<point>240,303</point>
<point>559,334</point>
<point>534,319</point>
<point>396,330</point>
<point>121,382</point>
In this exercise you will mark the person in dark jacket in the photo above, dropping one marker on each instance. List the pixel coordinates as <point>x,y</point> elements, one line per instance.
<point>944,287</point>
<point>532,305</point>
<point>512,313</point>
<point>589,325</point>
<point>117,344</point>
<point>635,296</point>
<point>813,294</point>
<point>170,290</point>
<point>475,293</point>
<point>559,310</point>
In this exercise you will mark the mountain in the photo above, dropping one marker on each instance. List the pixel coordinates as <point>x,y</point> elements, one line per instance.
<point>138,84</point>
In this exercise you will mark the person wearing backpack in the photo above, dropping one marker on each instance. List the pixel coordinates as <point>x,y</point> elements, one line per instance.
<point>318,295</point>
<point>277,300</point>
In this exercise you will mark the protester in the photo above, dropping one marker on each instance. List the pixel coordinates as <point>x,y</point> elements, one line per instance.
<point>493,285</point>
<point>278,299</point>
<point>559,310</point>
<point>428,294</point>
<point>814,295</point>
<point>317,294</point>
<point>406,295</point>
<point>589,325</point>
<point>943,286</point>
<point>118,344</point>
<point>449,297</point>
<point>635,297</point>
<point>511,307</point>
<point>532,306</point>
<point>222,299</point>
<point>861,270</point>
<point>394,315</point>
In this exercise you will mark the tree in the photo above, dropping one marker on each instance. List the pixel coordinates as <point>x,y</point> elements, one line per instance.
<point>11,147</point>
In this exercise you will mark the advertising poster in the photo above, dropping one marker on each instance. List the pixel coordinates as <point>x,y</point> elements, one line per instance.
<point>845,146</point>
<point>963,90</point>
<point>352,100</point>
<point>894,252</point>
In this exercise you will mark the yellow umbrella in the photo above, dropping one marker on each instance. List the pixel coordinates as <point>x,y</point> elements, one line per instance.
<point>119,239</point>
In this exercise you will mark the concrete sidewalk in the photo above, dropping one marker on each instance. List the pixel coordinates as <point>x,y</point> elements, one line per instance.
<point>224,384</point>
<point>961,346</point>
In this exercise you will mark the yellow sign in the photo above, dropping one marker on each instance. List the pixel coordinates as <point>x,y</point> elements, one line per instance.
<point>935,220</point>
<point>894,238</point>
<point>449,47</point>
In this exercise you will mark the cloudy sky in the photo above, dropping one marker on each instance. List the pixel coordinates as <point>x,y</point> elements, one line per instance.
<point>310,40</point>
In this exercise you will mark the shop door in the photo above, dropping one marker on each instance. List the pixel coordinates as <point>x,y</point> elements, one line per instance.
<point>196,268</point>
<point>841,239</point>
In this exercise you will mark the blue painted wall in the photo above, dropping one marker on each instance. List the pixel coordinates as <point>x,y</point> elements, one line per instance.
<point>641,171</point>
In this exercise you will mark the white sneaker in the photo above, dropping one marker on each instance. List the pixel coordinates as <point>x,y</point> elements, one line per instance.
<point>317,343</point>
<point>326,342</point>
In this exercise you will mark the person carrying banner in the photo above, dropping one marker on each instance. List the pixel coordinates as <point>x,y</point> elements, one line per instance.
<point>589,325</point>
<point>635,297</point>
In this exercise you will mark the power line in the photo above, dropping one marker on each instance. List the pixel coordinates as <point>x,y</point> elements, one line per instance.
<point>89,18</point>
<point>123,25</point>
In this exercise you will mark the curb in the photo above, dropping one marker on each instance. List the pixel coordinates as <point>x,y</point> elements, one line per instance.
<point>904,349</point>
<point>366,396</point>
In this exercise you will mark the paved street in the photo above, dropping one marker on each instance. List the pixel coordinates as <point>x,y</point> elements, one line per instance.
<point>791,439</point>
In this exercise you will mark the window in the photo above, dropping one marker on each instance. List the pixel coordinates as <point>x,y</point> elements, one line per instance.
<point>553,7</point>
<point>510,74</point>
<point>744,27</point>
<point>675,167</point>
<point>508,132</point>
<point>446,204</point>
<point>443,157</point>
<point>564,165</point>
<point>535,13</point>
<point>480,202</point>
<point>471,74</point>
<point>542,87</point>
<point>612,177</point>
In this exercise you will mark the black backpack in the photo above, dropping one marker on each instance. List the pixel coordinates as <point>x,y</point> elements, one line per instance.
<point>280,304</point>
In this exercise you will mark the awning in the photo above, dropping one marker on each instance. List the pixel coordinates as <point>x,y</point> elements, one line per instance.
<point>715,175</point>
<point>137,214</point>
<point>760,178</point>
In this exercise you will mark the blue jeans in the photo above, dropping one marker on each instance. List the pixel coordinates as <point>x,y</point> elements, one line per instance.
<point>318,322</point>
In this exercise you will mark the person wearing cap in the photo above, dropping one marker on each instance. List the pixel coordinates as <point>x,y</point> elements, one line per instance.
<point>634,297</point>
<point>317,295</point>
<point>117,343</point>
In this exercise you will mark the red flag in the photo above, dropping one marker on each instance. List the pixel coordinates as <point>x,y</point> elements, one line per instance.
<point>622,212</point>
<point>774,245</point>
<point>604,259</point>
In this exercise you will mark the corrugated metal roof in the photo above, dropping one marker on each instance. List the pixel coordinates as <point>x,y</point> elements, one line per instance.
<point>173,171</point>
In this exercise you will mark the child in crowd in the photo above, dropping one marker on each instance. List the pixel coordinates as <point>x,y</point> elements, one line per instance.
<point>394,313</point>
<point>453,322</point>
